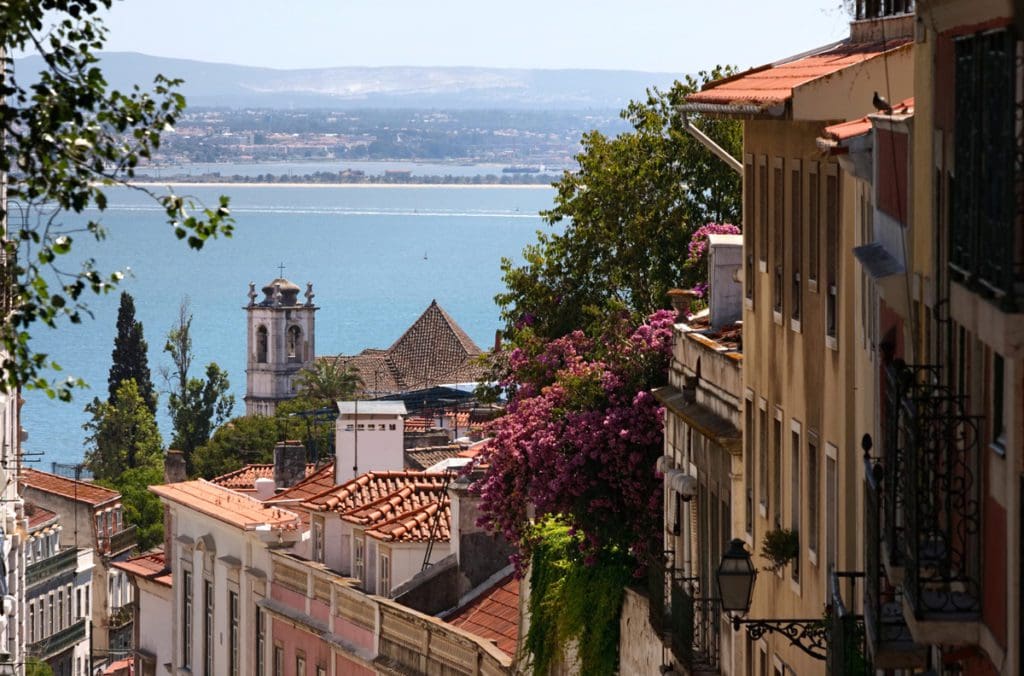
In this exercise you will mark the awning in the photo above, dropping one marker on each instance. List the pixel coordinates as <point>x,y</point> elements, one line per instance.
<point>712,426</point>
<point>878,262</point>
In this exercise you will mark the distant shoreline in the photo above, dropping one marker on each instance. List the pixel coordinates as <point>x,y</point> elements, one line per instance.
<point>253,184</point>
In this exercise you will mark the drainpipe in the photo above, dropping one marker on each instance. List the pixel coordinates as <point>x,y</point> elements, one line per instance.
<point>706,141</point>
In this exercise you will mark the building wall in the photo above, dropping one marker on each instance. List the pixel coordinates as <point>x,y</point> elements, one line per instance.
<point>640,650</point>
<point>271,381</point>
<point>376,438</point>
<point>154,628</point>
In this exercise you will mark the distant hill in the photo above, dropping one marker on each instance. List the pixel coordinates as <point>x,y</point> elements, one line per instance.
<point>220,85</point>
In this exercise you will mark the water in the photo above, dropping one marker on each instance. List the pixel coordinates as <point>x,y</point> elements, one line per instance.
<point>376,257</point>
<point>372,168</point>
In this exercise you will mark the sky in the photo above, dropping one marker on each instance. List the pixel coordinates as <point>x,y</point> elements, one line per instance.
<point>648,35</point>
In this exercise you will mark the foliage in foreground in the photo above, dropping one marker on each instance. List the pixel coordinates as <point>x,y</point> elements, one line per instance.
<point>628,213</point>
<point>580,438</point>
<point>573,600</point>
<point>65,137</point>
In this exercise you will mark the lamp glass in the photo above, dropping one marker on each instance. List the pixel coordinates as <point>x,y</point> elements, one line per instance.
<point>736,578</point>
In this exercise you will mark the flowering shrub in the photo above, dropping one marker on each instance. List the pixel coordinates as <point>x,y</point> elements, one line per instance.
<point>580,438</point>
<point>699,240</point>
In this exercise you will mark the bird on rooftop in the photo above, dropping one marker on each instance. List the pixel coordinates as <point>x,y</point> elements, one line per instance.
<point>881,104</point>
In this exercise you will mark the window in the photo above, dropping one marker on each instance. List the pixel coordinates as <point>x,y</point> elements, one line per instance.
<point>208,627</point>
<point>812,495</point>
<point>813,225</point>
<point>88,607</point>
<point>794,513</point>
<point>357,556</point>
<point>233,632</point>
<point>776,499</point>
<point>278,660</point>
<point>831,509</point>
<point>294,342</point>
<point>49,615</point>
<point>762,459</point>
<point>832,252</point>
<point>796,227</point>
<point>392,427</point>
<point>300,663</point>
<point>69,619</point>
<point>385,574</point>
<point>60,607</point>
<point>762,210</point>
<point>318,539</point>
<point>748,466</point>
<point>749,229</point>
<point>998,403</point>
<point>778,233</point>
<point>31,621</point>
<point>261,345</point>
<point>261,639</point>
<point>186,619</point>
<point>78,603</point>
<point>321,670</point>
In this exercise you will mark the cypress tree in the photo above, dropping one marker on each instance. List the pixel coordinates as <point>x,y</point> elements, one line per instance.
<point>129,355</point>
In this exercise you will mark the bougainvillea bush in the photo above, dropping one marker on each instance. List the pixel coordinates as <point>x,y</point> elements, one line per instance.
<point>580,439</point>
<point>696,255</point>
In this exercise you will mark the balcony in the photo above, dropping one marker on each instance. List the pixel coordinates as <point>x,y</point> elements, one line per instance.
<point>59,642</point>
<point>120,541</point>
<point>845,629</point>
<point>121,617</point>
<point>889,642</point>
<point>931,502</point>
<point>64,561</point>
<point>696,626</point>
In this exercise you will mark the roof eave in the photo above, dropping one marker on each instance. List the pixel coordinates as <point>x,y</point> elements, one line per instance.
<point>743,110</point>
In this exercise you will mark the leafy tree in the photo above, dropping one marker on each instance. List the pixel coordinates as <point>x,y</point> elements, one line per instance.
<point>197,406</point>
<point>244,440</point>
<point>627,213</point>
<point>65,138</point>
<point>122,434</point>
<point>130,354</point>
<point>326,381</point>
<point>141,507</point>
<point>36,667</point>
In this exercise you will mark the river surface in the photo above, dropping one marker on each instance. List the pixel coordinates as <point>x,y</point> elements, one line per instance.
<point>376,258</point>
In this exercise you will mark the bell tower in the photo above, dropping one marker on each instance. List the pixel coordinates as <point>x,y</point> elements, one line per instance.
<point>281,332</point>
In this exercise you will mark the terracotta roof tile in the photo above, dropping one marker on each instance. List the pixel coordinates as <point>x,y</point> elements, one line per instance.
<point>151,566</point>
<point>433,351</point>
<point>847,130</point>
<point>392,506</point>
<point>231,507</point>
<point>773,84</point>
<point>427,457</point>
<point>80,491</point>
<point>493,615</point>
<point>38,516</point>
<point>244,478</point>
<point>315,483</point>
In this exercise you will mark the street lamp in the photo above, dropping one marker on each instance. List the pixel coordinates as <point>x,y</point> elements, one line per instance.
<point>736,577</point>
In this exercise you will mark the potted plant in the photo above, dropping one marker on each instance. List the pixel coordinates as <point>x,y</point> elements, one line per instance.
<point>780,546</point>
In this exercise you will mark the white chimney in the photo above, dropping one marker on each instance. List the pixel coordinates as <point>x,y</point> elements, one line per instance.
<point>265,488</point>
<point>725,256</point>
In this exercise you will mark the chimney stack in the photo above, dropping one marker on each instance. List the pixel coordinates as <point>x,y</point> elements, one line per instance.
<point>174,472</point>
<point>289,463</point>
<point>725,297</point>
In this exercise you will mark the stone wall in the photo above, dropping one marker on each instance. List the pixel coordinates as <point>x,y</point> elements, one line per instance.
<point>640,648</point>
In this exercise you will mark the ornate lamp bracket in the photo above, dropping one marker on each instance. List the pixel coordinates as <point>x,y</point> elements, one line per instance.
<point>808,635</point>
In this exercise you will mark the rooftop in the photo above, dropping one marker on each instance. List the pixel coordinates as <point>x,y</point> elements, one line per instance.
<point>766,89</point>
<point>392,506</point>
<point>493,615</point>
<point>728,338</point>
<point>844,131</point>
<point>231,507</point>
<point>244,478</point>
<point>150,566</point>
<point>433,351</point>
<point>37,516</point>
<point>428,456</point>
<point>314,484</point>
<point>79,491</point>
<point>371,407</point>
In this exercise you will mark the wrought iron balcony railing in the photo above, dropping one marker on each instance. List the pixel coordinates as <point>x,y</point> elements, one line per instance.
<point>57,643</point>
<point>931,473</point>
<point>120,541</point>
<point>846,651</point>
<point>63,561</point>
<point>889,642</point>
<point>696,627</point>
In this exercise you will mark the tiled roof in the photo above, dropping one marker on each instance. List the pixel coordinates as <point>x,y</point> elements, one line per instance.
<point>151,566</point>
<point>847,130</point>
<point>493,615</point>
<point>433,351</point>
<point>424,458</point>
<point>392,506</point>
<point>314,484</point>
<point>244,479</point>
<point>80,491</point>
<point>773,84</point>
<point>37,516</point>
<point>231,507</point>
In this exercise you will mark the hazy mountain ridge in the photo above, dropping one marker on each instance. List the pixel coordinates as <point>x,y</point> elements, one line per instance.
<point>215,84</point>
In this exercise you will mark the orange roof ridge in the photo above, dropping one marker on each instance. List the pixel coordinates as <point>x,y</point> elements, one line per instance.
<point>224,504</point>
<point>406,526</point>
<point>81,491</point>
